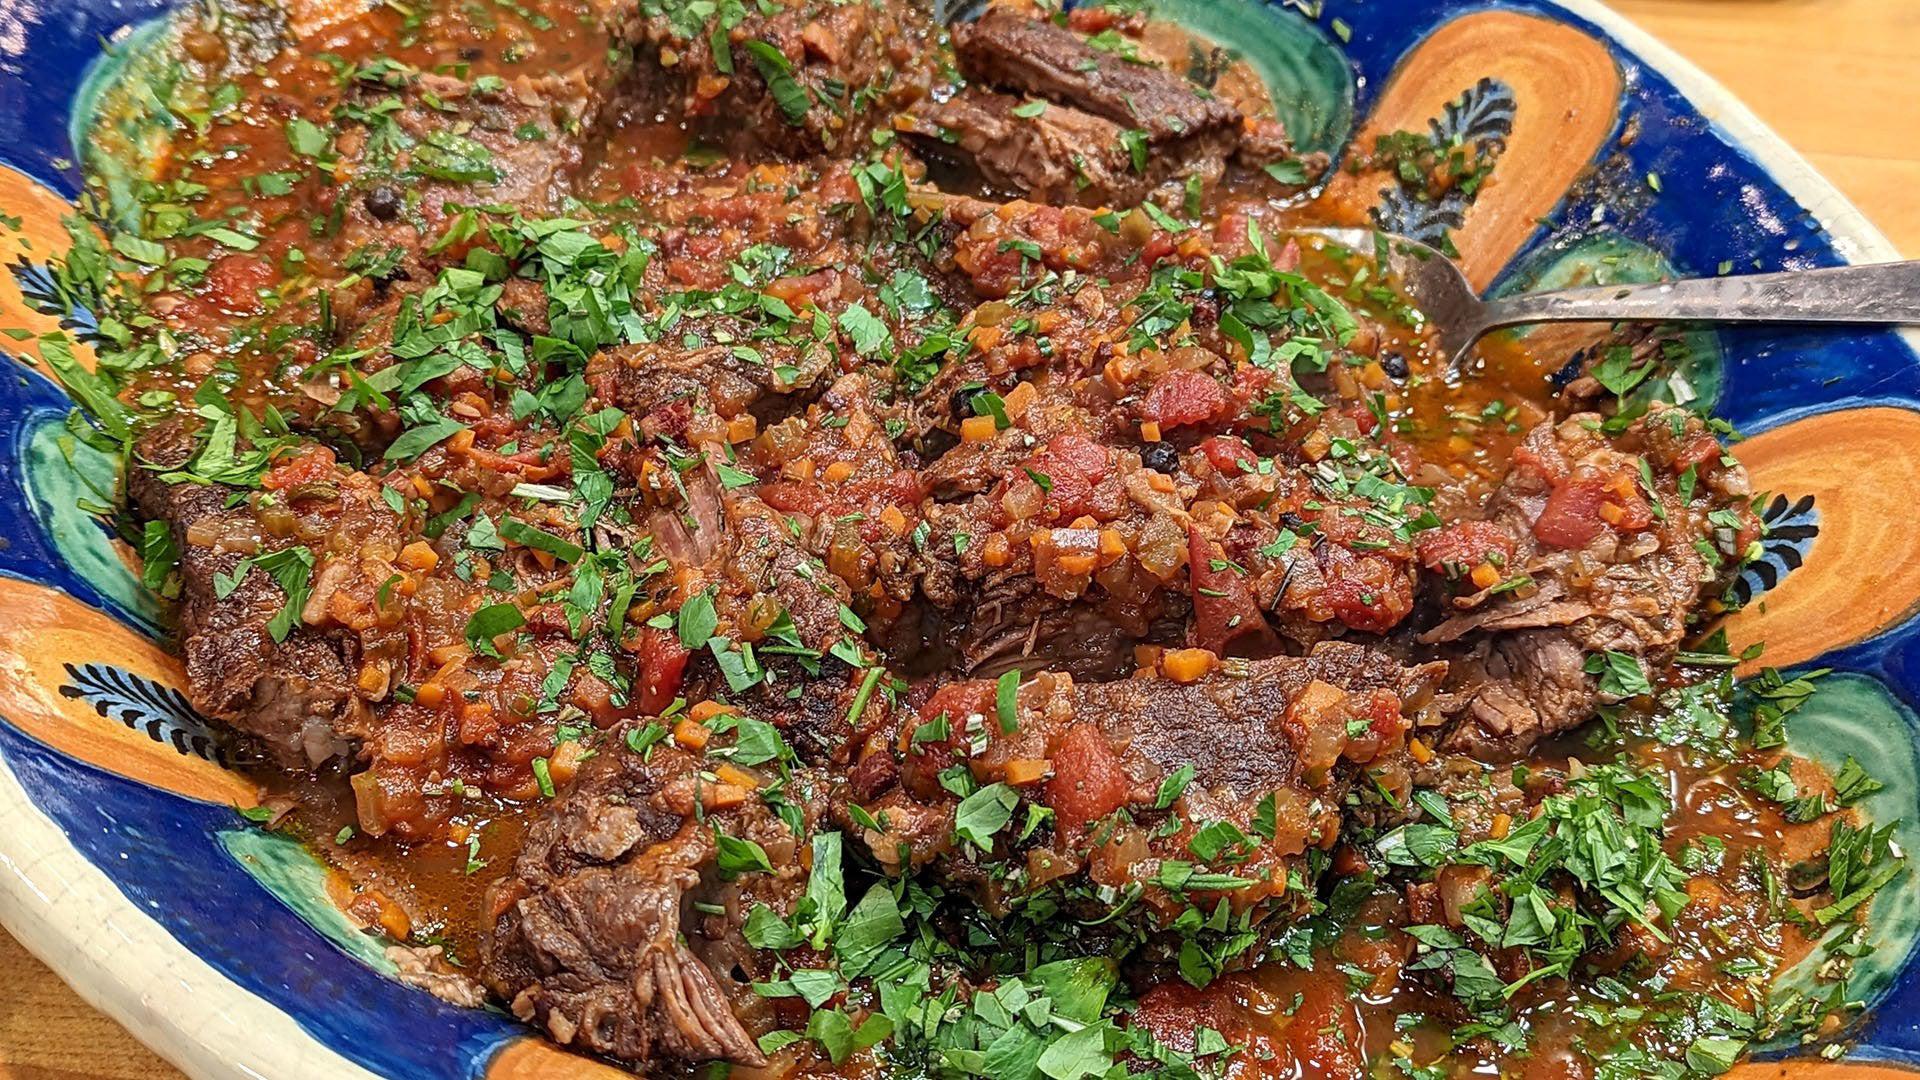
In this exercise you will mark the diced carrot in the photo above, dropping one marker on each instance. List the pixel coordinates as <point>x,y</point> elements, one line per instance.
<point>737,776</point>
<point>393,918</point>
<point>742,429</point>
<point>1077,563</point>
<point>1019,399</point>
<point>1022,771</point>
<point>419,555</point>
<point>706,710</point>
<point>566,761</point>
<point>977,429</point>
<point>894,520</point>
<point>373,678</point>
<point>691,734</point>
<point>1486,575</point>
<point>997,552</point>
<point>1501,823</point>
<point>1149,431</point>
<point>837,472</point>
<point>1112,546</point>
<point>432,695</point>
<point>1421,752</point>
<point>1186,665</point>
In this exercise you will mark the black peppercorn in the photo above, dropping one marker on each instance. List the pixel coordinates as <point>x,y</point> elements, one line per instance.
<point>1394,364</point>
<point>1161,458</point>
<point>383,202</point>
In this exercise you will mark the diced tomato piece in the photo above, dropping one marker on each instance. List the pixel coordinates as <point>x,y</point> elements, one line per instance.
<point>1458,548</point>
<point>1571,518</point>
<point>1699,450</point>
<point>1091,19</point>
<point>1180,398</point>
<point>1385,725</point>
<point>958,701</point>
<point>1224,607</point>
<point>663,665</point>
<point>791,497</point>
<point>1175,1011</point>
<point>1230,455</point>
<point>925,758</point>
<point>1577,510</point>
<point>1068,468</point>
<point>310,464</point>
<point>1087,782</point>
<point>1077,454</point>
<point>1368,593</point>
<point>233,283</point>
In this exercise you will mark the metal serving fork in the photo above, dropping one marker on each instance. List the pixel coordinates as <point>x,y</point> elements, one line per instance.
<point>1877,293</point>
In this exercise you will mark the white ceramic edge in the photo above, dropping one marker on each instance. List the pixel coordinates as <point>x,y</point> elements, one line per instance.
<point>124,963</point>
<point>71,916</point>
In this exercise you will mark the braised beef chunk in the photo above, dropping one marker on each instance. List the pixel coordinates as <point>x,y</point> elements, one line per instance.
<point>591,940</point>
<point>1034,56</point>
<point>658,379</point>
<point>420,151</point>
<point>1163,720</point>
<point>853,502</point>
<point>293,692</point>
<point>1289,732</point>
<point>1105,130</point>
<point>1604,548</point>
<point>1061,155</point>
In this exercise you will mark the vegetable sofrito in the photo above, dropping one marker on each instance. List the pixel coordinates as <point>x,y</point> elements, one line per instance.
<point>783,533</point>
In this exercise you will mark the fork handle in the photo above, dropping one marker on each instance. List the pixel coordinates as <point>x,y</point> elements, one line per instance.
<point>1873,293</point>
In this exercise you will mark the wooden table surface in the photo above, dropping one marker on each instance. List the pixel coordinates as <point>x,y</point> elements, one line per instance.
<point>1837,78</point>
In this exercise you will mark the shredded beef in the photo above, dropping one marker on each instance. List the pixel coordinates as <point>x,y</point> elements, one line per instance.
<point>1600,571</point>
<point>591,940</point>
